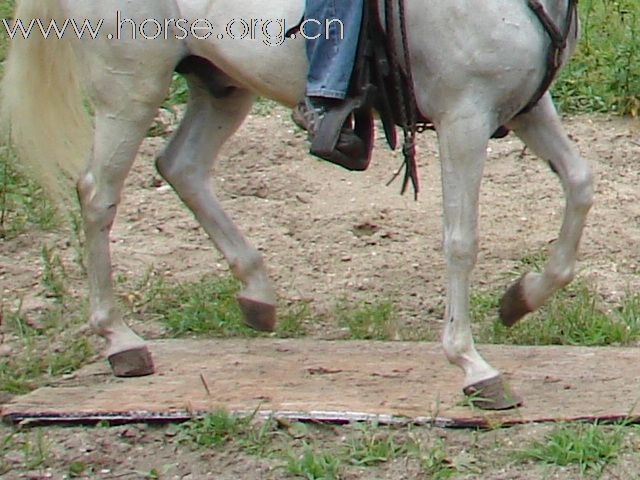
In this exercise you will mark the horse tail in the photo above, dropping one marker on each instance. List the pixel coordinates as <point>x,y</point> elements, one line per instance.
<point>42,105</point>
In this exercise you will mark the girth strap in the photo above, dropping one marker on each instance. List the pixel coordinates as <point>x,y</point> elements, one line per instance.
<point>556,49</point>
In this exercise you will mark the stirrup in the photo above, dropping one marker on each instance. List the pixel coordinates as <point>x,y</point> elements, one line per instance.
<point>331,138</point>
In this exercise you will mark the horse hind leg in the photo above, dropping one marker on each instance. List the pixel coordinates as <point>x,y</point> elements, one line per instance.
<point>214,112</point>
<point>121,123</point>
<point>541,130</point>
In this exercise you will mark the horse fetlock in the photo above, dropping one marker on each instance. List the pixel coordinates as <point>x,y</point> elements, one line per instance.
<point>560,277</point>
<point>457,350</point>
<point>250,269</point>
<point>108,324</point>
<point>102,321</point>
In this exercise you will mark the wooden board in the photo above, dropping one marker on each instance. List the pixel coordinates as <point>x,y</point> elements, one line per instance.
<point>392,382</point>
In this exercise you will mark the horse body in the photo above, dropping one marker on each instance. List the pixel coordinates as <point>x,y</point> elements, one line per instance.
<point>475,66</point>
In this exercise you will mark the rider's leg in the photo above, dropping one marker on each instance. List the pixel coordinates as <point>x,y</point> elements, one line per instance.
<point>332,30</point>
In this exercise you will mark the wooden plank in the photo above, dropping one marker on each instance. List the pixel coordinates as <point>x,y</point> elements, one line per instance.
<point>393,382</point>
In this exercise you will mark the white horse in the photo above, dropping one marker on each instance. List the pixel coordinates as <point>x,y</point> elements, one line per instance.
<point>475,66</point>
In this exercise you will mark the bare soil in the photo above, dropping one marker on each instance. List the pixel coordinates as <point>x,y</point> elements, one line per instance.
<point>329,235</point>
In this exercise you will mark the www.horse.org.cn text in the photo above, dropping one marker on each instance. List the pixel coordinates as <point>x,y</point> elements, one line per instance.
<point>271,31</point>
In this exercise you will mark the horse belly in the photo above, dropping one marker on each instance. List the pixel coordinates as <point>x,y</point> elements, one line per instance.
<point>247,41</point>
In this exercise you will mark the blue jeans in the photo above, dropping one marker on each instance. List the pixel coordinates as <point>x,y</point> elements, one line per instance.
<point>331,57</point>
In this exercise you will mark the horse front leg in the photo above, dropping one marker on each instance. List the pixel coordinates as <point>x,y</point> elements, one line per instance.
<point>542,131</point>
<point>463,144</point>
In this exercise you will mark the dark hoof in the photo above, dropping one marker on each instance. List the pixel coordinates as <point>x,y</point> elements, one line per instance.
<point>492,394</point>
<point>258,315</point>
<point>136,362</point>
<point>513,305</point>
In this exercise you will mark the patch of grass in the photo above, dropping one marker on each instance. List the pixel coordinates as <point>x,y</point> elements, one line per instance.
<point>590,447</point>
<point>314,465</point>
<point>205,307</point>
<point>263,107</point>
<point>76,469</point>
<point>212,429</point>
<point>44,345</point>
<point>42,356</point>
<point>603,75</point>
<point>178,92</point>
<point>53,274</point>
<point>374,446</point>
<point>7,444</point>
<point>35,450</point>
<point>221,427</point>
<point>291,322</point>
<point>22,202</point>
<point>436,463</point>
<point>368,321</point>
<point>6,11</point>
<point>483,307</point>
<point>574,316</point>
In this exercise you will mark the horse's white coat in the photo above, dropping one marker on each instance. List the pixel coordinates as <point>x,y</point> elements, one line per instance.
<point>475,65</point>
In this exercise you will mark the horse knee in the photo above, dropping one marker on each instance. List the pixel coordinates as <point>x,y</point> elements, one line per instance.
<point>461,250</point>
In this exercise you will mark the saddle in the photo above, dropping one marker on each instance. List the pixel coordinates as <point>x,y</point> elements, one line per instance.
<point>382,83</point>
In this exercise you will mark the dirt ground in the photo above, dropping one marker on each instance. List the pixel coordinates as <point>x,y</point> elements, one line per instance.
<point>327,234</point>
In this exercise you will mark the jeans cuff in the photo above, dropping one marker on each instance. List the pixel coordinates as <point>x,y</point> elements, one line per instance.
<point>326,93</point>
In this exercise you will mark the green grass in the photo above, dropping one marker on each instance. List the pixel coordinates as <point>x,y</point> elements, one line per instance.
<point>205,307</point>
<point>220,427</point>
<point>603,74</point>
<point>45,342</point>
<point>576,315</point>
<point>41,353</point>
<point>589,447</point>
<point>22,202</point>
<point>35,450</point>
<point>314,465</point>
<point>368,321</point>
<point>374,446</point>
<point>208,307</point>
<point>6,11</point>
<point>437,463</point>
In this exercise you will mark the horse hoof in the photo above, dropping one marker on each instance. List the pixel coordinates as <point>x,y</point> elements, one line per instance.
<point>492,394</point>
<point>136,362</point>
<point>513,305</point>
<point>260,316</point>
